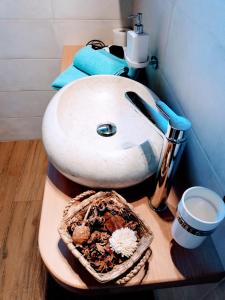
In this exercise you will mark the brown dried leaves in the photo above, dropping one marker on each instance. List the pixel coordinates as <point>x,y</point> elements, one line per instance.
<point>106,215</point>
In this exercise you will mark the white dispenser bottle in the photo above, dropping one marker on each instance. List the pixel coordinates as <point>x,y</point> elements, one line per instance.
<point>137,43</point>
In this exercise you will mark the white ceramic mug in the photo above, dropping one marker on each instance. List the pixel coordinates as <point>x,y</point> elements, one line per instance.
<point>199,212</point>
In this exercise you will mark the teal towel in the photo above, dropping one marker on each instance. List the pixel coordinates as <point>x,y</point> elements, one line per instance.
<point>97,62</point>
<point>88,61</point>
<point>70,74</point>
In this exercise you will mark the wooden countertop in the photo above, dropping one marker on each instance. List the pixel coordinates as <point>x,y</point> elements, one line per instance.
<point>169,265</point>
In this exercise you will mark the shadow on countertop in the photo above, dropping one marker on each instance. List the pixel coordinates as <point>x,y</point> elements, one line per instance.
<point>56,292</point>
<point>200,264</point>
<point>72,189</point>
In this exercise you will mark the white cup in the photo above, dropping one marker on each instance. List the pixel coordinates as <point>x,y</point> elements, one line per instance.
<point>199,212</point>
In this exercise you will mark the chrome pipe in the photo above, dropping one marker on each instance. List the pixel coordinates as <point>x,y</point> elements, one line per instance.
<point>172,153</point>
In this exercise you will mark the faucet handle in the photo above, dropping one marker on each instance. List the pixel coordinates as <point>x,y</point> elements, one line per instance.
<point>175,121</point>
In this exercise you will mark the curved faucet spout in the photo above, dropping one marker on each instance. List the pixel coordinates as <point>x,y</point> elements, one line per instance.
<point>148,111</point>
<point>175,129</point>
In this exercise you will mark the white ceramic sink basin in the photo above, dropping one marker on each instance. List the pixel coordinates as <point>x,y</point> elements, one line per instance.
<point>71,121</point>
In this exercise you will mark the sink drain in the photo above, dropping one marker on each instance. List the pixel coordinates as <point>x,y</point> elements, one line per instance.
<point>106,129</point>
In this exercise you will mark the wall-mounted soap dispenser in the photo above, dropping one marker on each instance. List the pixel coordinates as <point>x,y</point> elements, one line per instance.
<point>137,53</point>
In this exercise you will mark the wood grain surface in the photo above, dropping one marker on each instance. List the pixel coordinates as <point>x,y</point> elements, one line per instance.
<point>23,276</point>
<point>169,265</point>
<point>23,168</point>
<point>22,273</point>
<point>67,56</point>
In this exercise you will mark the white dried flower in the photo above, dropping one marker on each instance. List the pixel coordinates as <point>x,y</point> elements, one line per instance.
<point>123,241</point>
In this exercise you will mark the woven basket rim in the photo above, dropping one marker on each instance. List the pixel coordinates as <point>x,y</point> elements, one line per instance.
<point>71,209</point>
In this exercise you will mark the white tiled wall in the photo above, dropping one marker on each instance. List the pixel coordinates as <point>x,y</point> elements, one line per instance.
<point>188,37</point>
<point>28,39</point>
<point>91,9</point>
<point>23,9</point>
<point>82,31</point>
<point>32,35</point>
<point>30,103</point>
<point>27,74</point>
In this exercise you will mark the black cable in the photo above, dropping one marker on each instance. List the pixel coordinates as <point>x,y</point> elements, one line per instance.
<point>96,44</point>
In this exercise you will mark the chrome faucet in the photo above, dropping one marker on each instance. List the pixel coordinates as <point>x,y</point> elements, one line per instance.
<point>174,128</point>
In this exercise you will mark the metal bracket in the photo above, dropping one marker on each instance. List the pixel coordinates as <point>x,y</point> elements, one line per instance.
<point>154,62</point>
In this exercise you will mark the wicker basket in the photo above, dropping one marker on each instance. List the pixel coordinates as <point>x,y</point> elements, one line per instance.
<point>70,212</point>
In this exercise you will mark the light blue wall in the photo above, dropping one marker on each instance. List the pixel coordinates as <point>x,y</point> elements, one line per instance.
<point>188,37</point>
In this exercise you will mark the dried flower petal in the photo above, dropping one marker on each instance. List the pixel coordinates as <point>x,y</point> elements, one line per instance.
<point>113,222</point>
<point>123,241</point>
